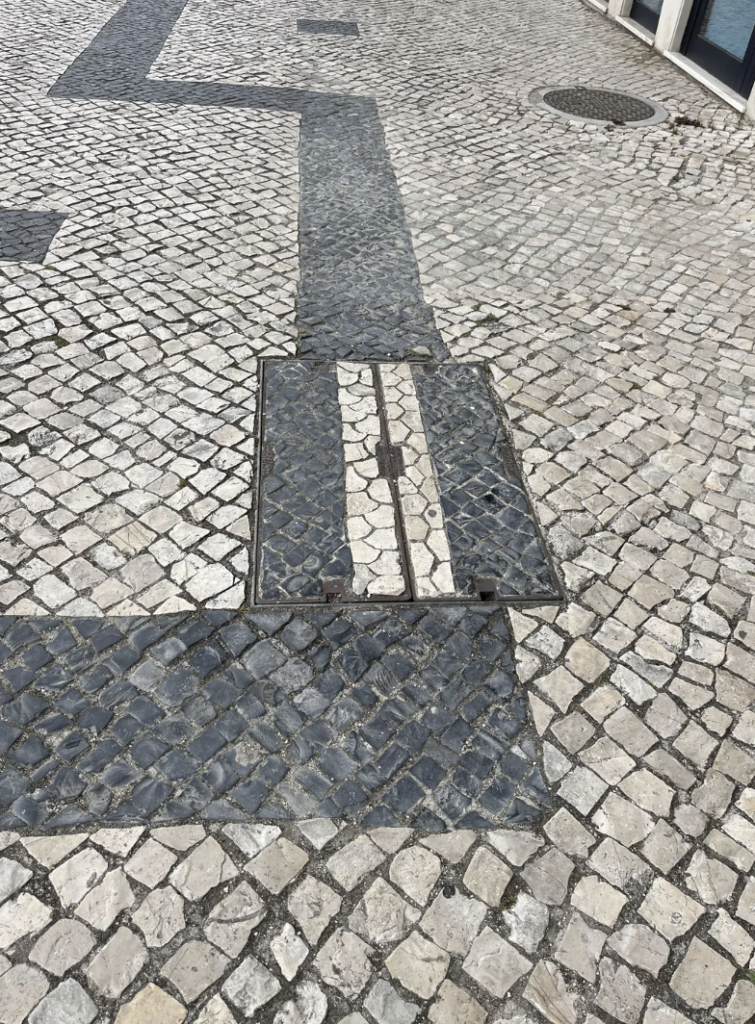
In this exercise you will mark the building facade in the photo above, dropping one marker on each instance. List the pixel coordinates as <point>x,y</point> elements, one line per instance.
<point>712,40</point>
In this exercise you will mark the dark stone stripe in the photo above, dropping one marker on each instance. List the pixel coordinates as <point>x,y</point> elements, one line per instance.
<point>385,716</point>
<point>360,294</point>
<point>491,528</point>
<point>302,524</point>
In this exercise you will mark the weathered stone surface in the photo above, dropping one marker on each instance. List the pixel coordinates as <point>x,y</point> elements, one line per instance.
<point>64,944</point>
<point>250,986</point>
<point>740,1007</point>
<point>390,840</point>
<point>313,905</point>
<point>382,916</point>
<point>73,879</point>
<point>618,866</point>
<point>419,965</point>
<point>151,1005</point>
<point>25,915</point>
<point>289,951</point>
<point>487,876</point>
<point>160,916</point>
<point>641,947</point>
<point>582,789</point>
<point>179,837</point>
<point>516,847</point>
<point>387,1007</point>
<point>118,841</point>
<point>621,820</point>
<point>668,910</point>
<point>117,963</point>
<point>451,845</point>
<point>150,864</point>
<point>205,867</point>
<point>746,905</point>
<point>709,879</point>
<point>194,967</point>
<point>252,839</point>
<point>621,994</point>
<point>580,947</point>
<point>319,831</point>
<point>309,1007</point>
<point>215,1011</point>
<point>46,850</point>
<point>66,1004</point>
<point>732,938</point>
<point>415,871</point>
<point>526,921</point>
<point>343,963</point>
<point>232,920</point>
<point>548,877</point>
<point>569,835</point>
<point>649,792</point>
<point>660,1013</point>
<point>349,865</point>
<point>452,922</point>
<point>455,1006</point>
<point>494,963</point>
<point>546,990</point>
<point>21,988</point>
<point>664,847</point>
<point>598,900</point>
<point>105,901</point>
<point>701,977</point>
<point>278,865</point>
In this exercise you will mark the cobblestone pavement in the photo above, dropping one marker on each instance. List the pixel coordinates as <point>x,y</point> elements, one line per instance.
<point>460,814</point>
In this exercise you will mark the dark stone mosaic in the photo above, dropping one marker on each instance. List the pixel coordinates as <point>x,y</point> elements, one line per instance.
<point>302,507</point>
<point>387,716</point>
<point>360,294</point>
<point>491,530</point>
<point>26,235</point>
<point>327,28</point>
<point>599,105</point>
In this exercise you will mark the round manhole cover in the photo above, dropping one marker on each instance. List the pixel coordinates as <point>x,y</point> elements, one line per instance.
<point>598,106</point>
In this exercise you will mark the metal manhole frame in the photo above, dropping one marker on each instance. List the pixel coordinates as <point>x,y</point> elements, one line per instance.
<point>537,99</point>
<point>255,602</point>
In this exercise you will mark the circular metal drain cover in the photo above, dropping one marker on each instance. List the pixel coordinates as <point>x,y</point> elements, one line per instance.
<point>598,106</point>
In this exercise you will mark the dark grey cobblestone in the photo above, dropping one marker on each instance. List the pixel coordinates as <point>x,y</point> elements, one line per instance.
<point>360,294</point>
<point>302,540</point>
<point>384,715</point>
<point>327,28</point>
<point>491,530</point>
<point>26,235</point>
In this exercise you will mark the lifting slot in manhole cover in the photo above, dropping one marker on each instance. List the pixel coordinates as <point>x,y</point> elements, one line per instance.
<point>390,482</point>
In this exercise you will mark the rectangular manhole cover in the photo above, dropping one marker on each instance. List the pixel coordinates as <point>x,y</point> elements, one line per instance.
<point>390,482</point>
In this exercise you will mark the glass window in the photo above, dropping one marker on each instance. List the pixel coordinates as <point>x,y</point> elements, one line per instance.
<point>728,24</point>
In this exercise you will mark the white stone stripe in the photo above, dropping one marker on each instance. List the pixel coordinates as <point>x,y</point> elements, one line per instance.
<point>424,524</point>
<point>370,513</point>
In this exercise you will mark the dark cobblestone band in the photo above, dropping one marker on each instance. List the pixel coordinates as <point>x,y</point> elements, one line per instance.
<point>385,715</point>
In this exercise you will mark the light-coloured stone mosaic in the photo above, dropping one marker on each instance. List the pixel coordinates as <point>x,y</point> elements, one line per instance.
<point>370,512</point>
<point>427,542</point>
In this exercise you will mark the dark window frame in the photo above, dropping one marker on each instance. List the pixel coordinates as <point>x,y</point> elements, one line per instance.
<point>737,75</point>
